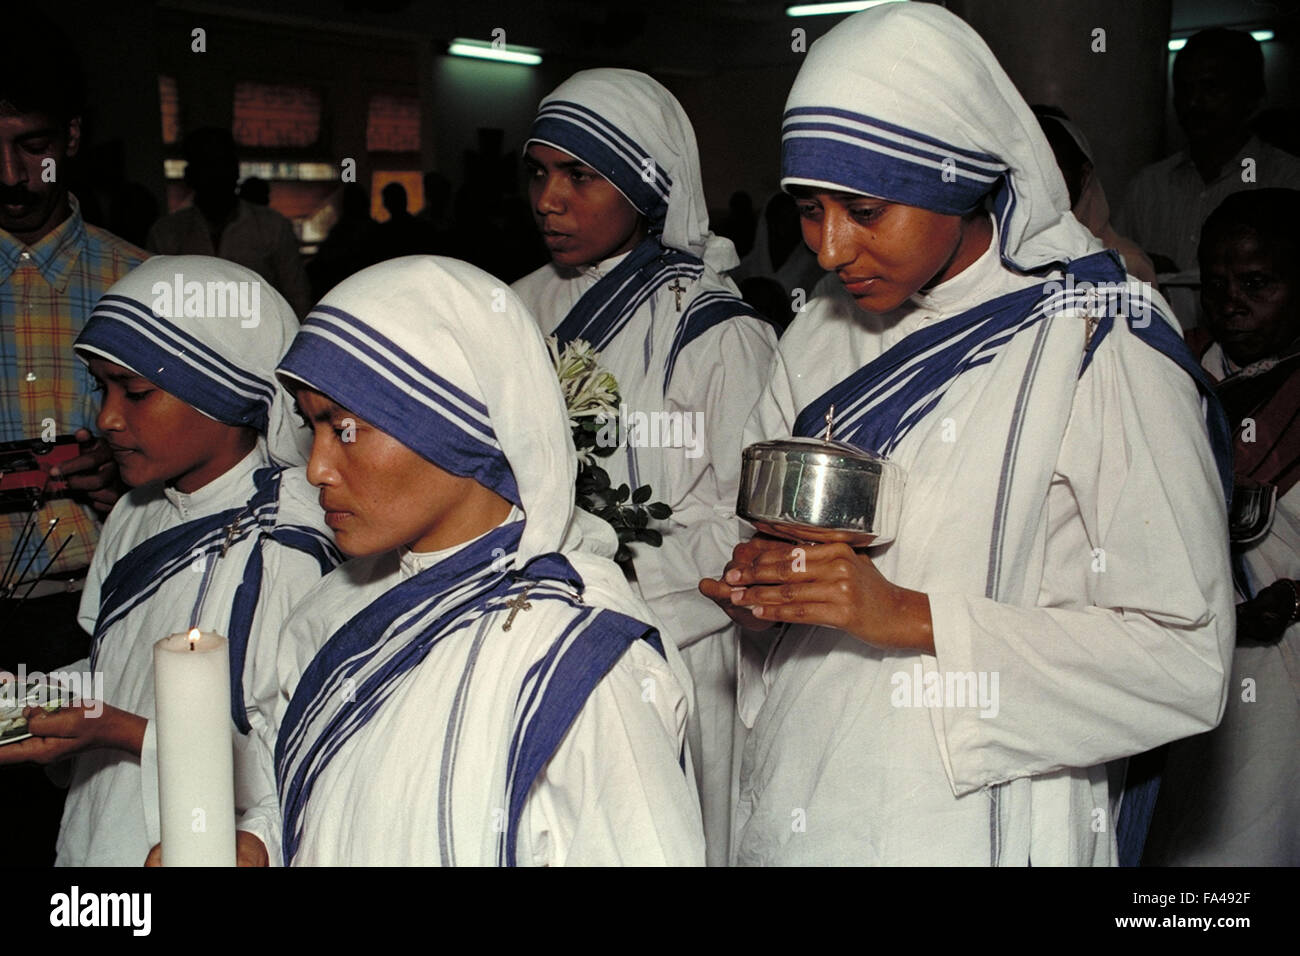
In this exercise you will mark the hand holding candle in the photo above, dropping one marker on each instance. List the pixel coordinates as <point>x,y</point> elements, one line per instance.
<point>196,775</point>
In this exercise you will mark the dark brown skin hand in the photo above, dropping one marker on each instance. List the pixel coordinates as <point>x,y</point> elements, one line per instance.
<point>769,581</point>
<point>72,729</point>
<point>1265,618</point>
<point>249,851</point>
<point>92,475</point>
<point>720,592</point>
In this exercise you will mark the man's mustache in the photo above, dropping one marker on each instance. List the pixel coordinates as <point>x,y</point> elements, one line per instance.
<point>17,196</point>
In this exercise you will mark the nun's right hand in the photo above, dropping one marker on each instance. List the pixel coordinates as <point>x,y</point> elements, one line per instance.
<point>92,476</point>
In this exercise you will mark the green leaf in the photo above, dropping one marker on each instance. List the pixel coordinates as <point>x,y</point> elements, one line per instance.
<point>659,511</point>
<point>641,495</point>
<point>651,537</point>
<point>622,493</point>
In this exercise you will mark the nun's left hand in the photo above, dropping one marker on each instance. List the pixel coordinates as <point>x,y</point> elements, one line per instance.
<point>830,585</point>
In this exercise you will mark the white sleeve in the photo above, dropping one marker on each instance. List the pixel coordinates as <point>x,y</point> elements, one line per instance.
<point>720,377</point>
<point>287,575</point>
<point>774,412</point>
<point>616,793</point>
<point>257,806</point>
<point>1136,526</point>
<point>101,563</point>
<point>773,417</point>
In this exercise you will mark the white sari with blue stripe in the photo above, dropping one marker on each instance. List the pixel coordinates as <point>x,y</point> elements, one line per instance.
<point>502,701</point>
<point>1027,468</point>
<point>549,744</point>
<point>1064,510</point>
<point>231,557</point>
<point>159,570</point>
<point>690,358</point>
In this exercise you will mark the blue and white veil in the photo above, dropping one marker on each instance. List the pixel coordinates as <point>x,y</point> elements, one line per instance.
<point>209,332</point>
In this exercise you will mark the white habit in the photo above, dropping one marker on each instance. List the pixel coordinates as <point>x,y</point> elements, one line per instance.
<point>840,731</point>
<point>224,370</point>
<point>683,433</point>
<point>111,814</point>
<point>431,717</point>
<point>424,783</point>
<point>1065,518</point>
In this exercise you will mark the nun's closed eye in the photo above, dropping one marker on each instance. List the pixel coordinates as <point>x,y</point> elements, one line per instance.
<point>867,213</point>
<point>808,208</point>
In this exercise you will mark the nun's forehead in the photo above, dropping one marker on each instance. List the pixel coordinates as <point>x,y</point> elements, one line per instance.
<point>533,145</point>
<point>806,190</point>
<point>112,366</point>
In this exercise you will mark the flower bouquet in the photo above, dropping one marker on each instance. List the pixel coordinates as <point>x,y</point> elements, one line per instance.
<point>591,398</point>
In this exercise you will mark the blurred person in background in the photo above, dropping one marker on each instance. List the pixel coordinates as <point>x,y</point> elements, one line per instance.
<point>1233,794</point>
<point>219,223</point>
<point>1087,198</point>
<point>1218,87</point>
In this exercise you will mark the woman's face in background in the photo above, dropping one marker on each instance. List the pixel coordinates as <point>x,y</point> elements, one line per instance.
<point>884,252</point>
<point>582,216</point>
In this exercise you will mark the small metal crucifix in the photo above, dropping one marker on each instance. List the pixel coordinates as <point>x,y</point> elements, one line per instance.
<point>677,290</point>
<point>1093,322</point>
<point>231,529</point>
<point>516,604</point>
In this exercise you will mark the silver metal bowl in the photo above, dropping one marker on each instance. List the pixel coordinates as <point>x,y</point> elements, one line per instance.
<point>816,490</point>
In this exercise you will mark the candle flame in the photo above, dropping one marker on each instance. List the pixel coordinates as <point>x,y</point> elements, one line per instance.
<point>194,637</point>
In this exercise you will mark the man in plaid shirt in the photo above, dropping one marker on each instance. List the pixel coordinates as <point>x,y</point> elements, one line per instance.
<point>53,268</point>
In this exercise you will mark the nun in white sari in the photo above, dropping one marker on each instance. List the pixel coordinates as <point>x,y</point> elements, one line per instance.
<point>1063,519</point>
<point>232,557</point>
<point>689,356</point>
<point>501,700</point>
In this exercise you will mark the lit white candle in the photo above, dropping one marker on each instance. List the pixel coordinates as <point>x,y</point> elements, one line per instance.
<point>196,774</point>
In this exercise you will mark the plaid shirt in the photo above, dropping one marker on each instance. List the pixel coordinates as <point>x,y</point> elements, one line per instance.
<point>46,294</point>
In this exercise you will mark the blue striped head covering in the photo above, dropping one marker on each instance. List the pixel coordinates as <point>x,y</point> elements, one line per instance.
<point>905,102</point>
<point>208,332</point>
<point>631,130</point>
<point>447,360</point>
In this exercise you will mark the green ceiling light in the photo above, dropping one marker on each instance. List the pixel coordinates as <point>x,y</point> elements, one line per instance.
<point>1261,36</point>
<point>822,9</point>
<point>501,53</point>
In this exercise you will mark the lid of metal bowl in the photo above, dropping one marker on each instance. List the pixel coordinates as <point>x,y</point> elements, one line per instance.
<point>817,451</point>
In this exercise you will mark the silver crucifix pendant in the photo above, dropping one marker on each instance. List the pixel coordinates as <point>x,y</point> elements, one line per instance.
<point>516,604</point>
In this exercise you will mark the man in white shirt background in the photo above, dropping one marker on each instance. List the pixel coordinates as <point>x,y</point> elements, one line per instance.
<point>1218,88</point>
